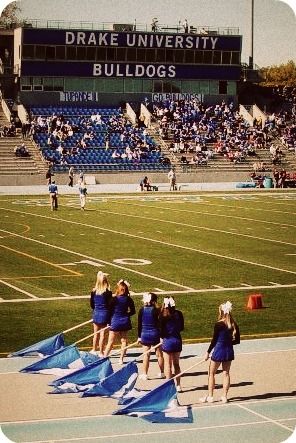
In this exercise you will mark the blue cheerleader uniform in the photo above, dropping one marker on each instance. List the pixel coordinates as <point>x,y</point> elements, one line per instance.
<point>123,308</point>
<point>148,326</point>
<point>100,303</point>
<point>171,326</point>
<point>223,341</point>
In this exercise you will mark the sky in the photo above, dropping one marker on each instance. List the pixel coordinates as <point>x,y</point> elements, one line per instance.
<point>274,20</point>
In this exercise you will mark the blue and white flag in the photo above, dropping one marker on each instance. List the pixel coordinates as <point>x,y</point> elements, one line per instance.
<point>84,378</point>
<point>157,406</point>
<point>117,384</point>
<point>62,362</point>
<point>42,348</point>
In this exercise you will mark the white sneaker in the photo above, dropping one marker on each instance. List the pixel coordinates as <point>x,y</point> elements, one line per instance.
<point>120,362</point>
<point>143,377</point>
<point>160,375</point>
<point>224,399</point>
<point>179,389</point>
<point>206,399</point>
<point>93,352</point>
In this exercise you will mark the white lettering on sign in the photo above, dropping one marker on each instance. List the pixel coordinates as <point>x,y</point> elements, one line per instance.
<point>160,97</point>
<point>78,96</point>
<point>139,40</point>
<point>131,70</point>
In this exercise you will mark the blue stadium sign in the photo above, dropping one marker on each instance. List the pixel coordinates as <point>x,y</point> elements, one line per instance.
<point>131,39</point>
<point>130,70</point>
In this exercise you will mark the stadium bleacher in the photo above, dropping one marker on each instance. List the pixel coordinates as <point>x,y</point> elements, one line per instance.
<point>85,146</point>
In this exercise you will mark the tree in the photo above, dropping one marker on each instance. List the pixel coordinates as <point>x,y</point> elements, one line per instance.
<point>282,75</point>
<point>9,17</point>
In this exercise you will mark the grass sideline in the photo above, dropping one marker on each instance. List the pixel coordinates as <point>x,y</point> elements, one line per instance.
<point>196,246</point>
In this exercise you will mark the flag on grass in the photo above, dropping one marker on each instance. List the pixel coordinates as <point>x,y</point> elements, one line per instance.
<point>62,362</point>
<point>84,378</point>
<point>157,406</point>
<point>117,384</point>
<point>42,348</point>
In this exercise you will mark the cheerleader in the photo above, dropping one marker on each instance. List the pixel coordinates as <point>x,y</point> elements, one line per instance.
<point>171,325</point>
<point>149,332</point>
<point>226,334</point>
<point>122,308</point>
<point>100,299</point>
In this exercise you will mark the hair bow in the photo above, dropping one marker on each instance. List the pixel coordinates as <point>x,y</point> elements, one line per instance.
<point>169,301</point>
<point>125,282</point>
<point>146,297</point>
<point>102,274</point>
<point>226,307</point>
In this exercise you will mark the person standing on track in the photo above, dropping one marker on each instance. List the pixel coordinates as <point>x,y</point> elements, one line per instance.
<point>100,301</point>
<point>82,192</point>
<point>149,332</point>
<point>53,196</point>
<point>171,325</point>
<point>122,308</point>
<point>226,334</point>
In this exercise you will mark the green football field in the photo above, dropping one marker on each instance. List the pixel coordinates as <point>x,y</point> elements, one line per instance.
<point>203,248</point>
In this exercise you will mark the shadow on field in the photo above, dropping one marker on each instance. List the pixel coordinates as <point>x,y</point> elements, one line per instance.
<point>264,396</point>
<point>217,386</point>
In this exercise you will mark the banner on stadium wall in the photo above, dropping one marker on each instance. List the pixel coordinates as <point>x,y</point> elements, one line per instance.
<point>131,39</point>
<point>78,96</point>
<point>130,70</point>
<point>160,97</point>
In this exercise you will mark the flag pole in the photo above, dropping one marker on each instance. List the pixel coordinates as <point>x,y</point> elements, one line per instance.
<point>149,350</point>
<point>123,349</point>
<point>188,369</point>
<point>90,335</point>
<point>77,326</point>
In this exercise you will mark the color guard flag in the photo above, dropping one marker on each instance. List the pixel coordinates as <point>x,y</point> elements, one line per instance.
<point>84,378</point>
<point>62,362</point>
<point>117,384</point>
<point>157,406</point>
<point>153,401</point>
<point>42,348</point>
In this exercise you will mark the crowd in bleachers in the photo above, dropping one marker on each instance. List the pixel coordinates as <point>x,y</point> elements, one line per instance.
<point>209,131</point>
<point>93,137</point>
<point>21,151</point>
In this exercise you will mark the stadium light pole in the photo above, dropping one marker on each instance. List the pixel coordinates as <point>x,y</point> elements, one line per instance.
<point>251,58</point>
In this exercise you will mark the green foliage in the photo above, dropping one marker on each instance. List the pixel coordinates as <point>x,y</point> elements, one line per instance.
<point>282,75</point>
<point>9,16</point>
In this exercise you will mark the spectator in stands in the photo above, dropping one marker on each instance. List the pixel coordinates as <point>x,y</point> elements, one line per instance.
<point>53,196</point>
<point>21,151</point>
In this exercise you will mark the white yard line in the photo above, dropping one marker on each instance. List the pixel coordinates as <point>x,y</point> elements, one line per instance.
<point>197,227</point>
<point>152,240</point>
<point>212,214</point>
<point>215,288</point>
<point>101,261</point>
<point>264,417</point>
<point>19,289</point>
